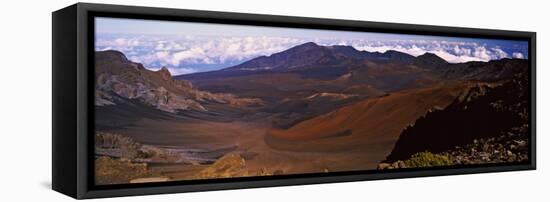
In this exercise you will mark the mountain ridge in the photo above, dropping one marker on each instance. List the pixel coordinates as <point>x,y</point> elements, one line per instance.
<point>329,62</point>
<point>311,53</point>
<point>117,77</point>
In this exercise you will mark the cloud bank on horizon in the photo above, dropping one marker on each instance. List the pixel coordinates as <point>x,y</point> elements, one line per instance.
<point>197,47</point>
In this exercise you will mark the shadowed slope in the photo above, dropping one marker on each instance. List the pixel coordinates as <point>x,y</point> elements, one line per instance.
<point>484,112</point>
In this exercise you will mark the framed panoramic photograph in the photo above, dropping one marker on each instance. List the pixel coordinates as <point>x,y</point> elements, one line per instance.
<point>153,100</point>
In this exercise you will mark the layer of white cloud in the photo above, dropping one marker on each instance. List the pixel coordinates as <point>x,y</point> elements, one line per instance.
<point>187,54</point>
<point>453,52</point>
<point>518,55</point>
<point>186,51</point>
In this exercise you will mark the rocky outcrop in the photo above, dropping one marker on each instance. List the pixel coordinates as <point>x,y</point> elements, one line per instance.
<point>165,74</point>
<point>485,112</point>
<point>120,171</point>
<point>508,148</point>
<point>121,147</point>
<point>233,165</point>
<point>230,165</point>
<point>117,79</point>
<point>431,61</point>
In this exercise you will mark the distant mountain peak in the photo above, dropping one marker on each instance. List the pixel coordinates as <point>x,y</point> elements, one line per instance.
<point>399,56</point>
<point>304,47</point>
<point>308,44</point>
<point>430,56</point>
<point>431,59</point>
<point>312,57</point>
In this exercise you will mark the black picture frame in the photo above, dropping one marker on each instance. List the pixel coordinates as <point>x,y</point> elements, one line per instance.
<point>73,109</point>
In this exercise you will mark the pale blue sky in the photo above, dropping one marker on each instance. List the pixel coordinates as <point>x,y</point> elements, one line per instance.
<point>188,47</point>
<point>157,27</point>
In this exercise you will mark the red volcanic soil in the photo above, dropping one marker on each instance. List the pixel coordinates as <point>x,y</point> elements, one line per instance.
<point>354,137</point>
<point>361,127</point>
<point>272,87</point>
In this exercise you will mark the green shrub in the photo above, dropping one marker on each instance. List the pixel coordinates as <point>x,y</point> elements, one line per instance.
<point>427,159</point>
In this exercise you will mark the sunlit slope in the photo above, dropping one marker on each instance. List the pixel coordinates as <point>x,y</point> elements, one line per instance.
<point>358,125</point>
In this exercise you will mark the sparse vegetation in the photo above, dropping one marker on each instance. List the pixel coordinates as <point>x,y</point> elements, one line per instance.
<point>512,146</point>
<point>418,160</point>
<point>427,159</point>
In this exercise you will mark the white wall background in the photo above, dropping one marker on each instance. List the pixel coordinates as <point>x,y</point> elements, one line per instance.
<point>25,102</point>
